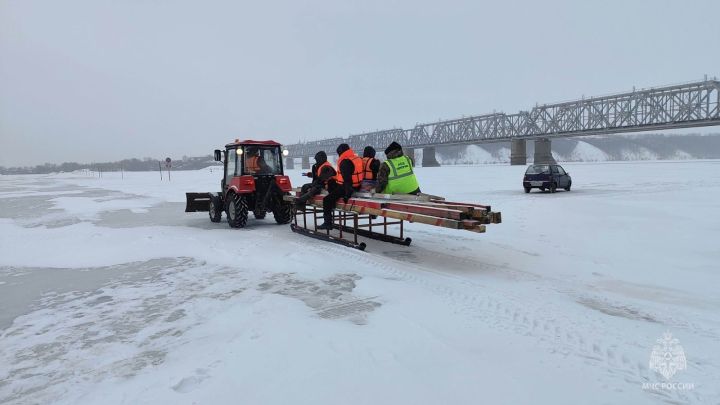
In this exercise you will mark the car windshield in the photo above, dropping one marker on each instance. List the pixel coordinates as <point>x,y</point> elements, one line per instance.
<point>538,169</point>
<point>262,160</point>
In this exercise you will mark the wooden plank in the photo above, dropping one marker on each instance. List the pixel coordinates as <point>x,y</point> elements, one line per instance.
<point>403,197</point>
<point>426,210</point>
<point>467,209</point>
<point>487,207</point>
<point>420,212</point>
<point>407,207</point>
<point>405,216</point>
<point>470,223</point>
<point>363,202</point>
<point>478,229</point>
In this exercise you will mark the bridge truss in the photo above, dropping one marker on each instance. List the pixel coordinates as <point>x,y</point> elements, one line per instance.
<point>688,105</point>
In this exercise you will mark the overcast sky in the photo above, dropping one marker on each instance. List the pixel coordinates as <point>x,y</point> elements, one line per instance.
<point>100,80</point>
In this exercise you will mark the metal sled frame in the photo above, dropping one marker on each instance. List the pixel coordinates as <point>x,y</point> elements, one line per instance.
<point>350,225</point>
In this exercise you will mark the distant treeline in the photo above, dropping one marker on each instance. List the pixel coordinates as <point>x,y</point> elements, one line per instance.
<point>130,165</point>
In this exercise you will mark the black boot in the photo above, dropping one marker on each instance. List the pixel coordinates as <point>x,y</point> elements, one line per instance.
<point>327,222</point>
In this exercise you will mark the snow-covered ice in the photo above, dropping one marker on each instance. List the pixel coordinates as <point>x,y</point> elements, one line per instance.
<point>110,293</point>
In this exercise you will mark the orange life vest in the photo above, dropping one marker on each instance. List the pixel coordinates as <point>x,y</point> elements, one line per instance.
<point>320,169</point>
<point>369,175</point>
<point>252,164</point>
<point>358,173</point>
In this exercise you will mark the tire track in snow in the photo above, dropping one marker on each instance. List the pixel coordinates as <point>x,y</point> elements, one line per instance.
<point>547,324</point>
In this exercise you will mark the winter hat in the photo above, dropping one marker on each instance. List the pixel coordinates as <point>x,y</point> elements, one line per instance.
<point>369,152</point>
<point>342,148</point>
<point>393,146</point>
<point>321,157</point>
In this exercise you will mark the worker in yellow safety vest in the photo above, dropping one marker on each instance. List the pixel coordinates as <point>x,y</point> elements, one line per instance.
<point>396,175</point>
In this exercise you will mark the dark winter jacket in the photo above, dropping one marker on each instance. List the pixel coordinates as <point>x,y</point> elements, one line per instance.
<point>326,174</point>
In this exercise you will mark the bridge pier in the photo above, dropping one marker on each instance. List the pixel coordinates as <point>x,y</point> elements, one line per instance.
<point>410,152</point>
<point>429,159</point>
<point>518,152</point>
<point>305,162</point>
<point>543,152</point>
<point>289,163</point>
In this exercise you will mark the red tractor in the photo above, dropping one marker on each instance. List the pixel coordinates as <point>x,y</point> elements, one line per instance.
<point>253,180</point>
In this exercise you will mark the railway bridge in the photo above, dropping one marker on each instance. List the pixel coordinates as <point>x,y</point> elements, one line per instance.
<point>694,104</point>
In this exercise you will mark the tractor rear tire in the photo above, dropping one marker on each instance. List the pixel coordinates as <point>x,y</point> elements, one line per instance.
<point>215,209</point>
<point>283,212</point>
<point>237,211</point>
<point>259,214</point>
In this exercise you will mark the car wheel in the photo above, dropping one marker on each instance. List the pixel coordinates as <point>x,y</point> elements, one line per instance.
<point>568,186</point>
<point>527,189</point>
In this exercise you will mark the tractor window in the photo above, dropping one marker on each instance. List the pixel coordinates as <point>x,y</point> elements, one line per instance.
<point>231,164</point>
<point>262,160</point>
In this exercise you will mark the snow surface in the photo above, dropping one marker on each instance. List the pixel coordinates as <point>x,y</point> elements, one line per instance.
<point>110,293</point>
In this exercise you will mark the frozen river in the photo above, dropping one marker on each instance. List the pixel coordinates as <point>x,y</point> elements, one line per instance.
<point>110,293</point>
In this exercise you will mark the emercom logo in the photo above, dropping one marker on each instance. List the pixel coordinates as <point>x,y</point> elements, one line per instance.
<point>667,358</point>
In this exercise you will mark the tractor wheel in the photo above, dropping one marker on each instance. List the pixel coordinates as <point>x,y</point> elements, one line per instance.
<point>215,209</point>
<point>259,214</point>
<point>282,211</point>
<point>237,211</point>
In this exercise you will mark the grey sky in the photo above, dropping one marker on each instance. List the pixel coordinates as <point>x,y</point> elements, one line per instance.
<point>100,80</point>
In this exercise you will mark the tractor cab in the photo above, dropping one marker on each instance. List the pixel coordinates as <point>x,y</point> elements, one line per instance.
<point>259,160</point>
<point>253,180</point>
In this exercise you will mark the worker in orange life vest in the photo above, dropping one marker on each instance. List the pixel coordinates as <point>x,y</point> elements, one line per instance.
<point>321,172</point>
<point>350,174</point>
<point>370,169</point>
<point>254,163</point>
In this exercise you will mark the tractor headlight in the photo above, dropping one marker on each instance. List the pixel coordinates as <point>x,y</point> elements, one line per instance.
<point>238,151</point>
<point>286,152</point>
